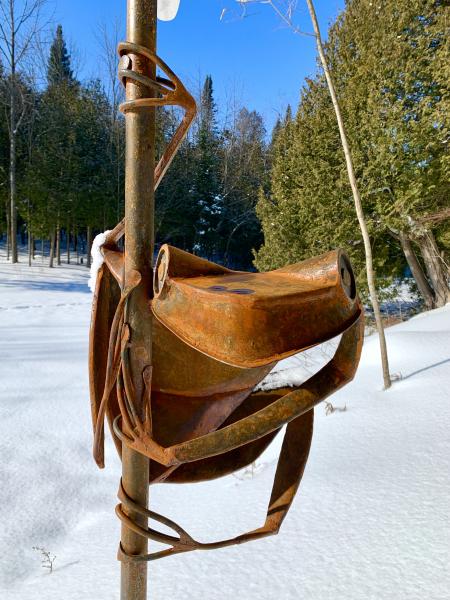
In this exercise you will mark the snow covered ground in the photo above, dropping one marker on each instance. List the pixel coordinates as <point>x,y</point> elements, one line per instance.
<point>370,521</point>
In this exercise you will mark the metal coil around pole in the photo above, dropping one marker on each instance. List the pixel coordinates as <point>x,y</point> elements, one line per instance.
<point>163,91</point>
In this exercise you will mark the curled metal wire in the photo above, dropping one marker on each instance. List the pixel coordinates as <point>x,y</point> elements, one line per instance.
<point>162,91</point>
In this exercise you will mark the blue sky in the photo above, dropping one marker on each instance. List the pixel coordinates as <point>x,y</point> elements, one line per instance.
<point>256,59</point>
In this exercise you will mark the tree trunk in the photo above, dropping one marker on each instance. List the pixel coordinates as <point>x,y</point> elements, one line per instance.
<point>8,233</point>
<point>435,267</point>
<point>30,247</point>
<point>33,247</point>
<point>52,249</point>
<point>88,246</point>
<point>357,200</point>
<point>42,248</point>
<point>227,248</point>
<point>12,144</point>
<point>12,175</point>
<point>76,244</point>
<point>68,243</point>
<point>423,286</point>
<point>58,244</point>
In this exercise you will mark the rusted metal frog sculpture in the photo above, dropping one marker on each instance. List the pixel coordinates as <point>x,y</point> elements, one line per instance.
<point>216,334</point>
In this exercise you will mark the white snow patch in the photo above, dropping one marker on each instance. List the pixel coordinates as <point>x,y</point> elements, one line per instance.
<point>295,370</point>
<point>167,9</point>
<point>370,521</point>
<point>97,258</point>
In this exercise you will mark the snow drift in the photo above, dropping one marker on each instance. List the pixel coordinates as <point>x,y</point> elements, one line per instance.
<point>370,520</point>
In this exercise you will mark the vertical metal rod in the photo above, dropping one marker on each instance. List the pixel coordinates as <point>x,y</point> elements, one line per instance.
<point>139,242</point>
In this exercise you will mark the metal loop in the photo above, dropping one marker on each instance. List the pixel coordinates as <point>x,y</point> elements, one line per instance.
<point>297,439</point>
<point>170,91</point>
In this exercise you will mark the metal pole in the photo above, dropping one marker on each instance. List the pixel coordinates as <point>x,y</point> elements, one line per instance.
<point>139,234</point>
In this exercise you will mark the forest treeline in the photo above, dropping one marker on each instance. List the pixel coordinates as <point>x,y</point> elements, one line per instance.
<point>235,194</point>
<point>69,176</point>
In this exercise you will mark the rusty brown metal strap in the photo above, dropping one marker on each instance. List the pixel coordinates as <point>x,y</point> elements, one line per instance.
<point>289,472</point>
<point>170,91</point>
<point>118,340</point>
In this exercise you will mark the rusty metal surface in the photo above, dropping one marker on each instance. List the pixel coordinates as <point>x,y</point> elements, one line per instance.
<point>128,326</point>
<point>293,407</point>
<point>251,319</point>
<point>173,363</point>
<point>289,406</point>
<point>179,369</point>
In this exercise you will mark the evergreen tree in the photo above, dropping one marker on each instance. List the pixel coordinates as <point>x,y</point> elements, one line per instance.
<point>244,173</point>
<point>206,181</point>
<point>95,186</point>
<point>52,181</point>
<point>393,79</point>
<point>58,67</point>
<point>308,209</point>
<point>388,65</point>
<point>176,212</point>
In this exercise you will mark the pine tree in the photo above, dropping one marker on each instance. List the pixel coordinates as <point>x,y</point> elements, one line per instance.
<point>176,209</point>
<point>206,183</point>
<point>58,67</point>
<point>244,173</point>
<point>52,175</point>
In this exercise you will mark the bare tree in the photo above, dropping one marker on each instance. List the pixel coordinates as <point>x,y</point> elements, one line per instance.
<point>285,10</point>
<point>20,24</point>
<point>108,39</point>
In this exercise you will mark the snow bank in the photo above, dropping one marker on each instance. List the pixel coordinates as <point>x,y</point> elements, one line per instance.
<point>370,521</point>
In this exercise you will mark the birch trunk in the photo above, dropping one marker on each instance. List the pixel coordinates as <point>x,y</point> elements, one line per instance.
<point>88,246</point>
<point>52,249</point>
<point>357,200</point>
